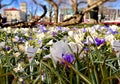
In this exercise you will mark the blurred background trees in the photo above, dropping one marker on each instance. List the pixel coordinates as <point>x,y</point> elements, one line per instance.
<point>52,10</point>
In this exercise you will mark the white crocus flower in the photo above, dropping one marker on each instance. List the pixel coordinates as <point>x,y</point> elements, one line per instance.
<point>15,30</point>
<point>26,34</point>
<point>93,32</point>
<point>20,79</point>
<point>34,29</point>
<point>2,45</point>
<point>15,39</point>
<point>41,35</point>
<point>31,51</point>
<point>78,37</point>
<point>8,30</point>
<point>57,50</point>
<point>75,47</point>
<point>96,26</point>
<point>17,54</point>
<point>19,68</point>
<point>39,50</point>
<point>70,33</point>
<point>50,42</point>
<point>89,40</point>
<point>114,27</point>
<point>5,29</point>
<point>110,38</point>
<point>26,45</point>
<point>37,62</point>
<point>116,47</point>
<point>15,48</point>
<point>65,29</point>
<point>21,47</point>
<point>51,29</point>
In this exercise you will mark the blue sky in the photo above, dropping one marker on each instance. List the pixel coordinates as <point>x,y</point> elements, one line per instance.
<point>115,4</point>
<point>16,4</point>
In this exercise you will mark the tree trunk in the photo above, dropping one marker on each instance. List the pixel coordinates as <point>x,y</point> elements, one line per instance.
<point>56,14</point>
<point>93,13</point>
<point>75,19</point>
<point>74,5</point>
<point>50,16</point>
<point>0,19</point>
<point>50,13</point>
<point>75,8</point>
<point>55,6</point>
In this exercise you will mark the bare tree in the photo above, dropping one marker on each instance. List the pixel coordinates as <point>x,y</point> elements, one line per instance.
<point>50,9</point>
<point>55,4</point>
<point>75,4</point>
<point>74,19</point>
<point>33,9</point>
<point>77,18</point>
<point>93,14</point>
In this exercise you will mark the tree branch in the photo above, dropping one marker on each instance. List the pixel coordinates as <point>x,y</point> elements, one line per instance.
<point>95,4</point>
<point>1,6</point>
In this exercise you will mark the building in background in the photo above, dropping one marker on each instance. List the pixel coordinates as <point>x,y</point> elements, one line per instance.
<point>66,13</point>
<point>23,11</point>
<point>13,14</point>
<point>111,13</point>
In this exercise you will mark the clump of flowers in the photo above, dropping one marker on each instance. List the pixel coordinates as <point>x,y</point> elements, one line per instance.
<point>76,55</point>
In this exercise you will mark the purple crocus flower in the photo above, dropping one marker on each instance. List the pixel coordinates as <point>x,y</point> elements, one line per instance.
<point>22,40</point>
<point>30,38</point>
<point>85,49</point>
<point>99,41</point>
<point>68,58</point>
<point>54,33</point>
<point>113,31</point>
<point>74,28</point>
<point>85,42</point>
<point>7,48</point>
<point>17,38</point>
<point>84,30</point>
<point>6,35</point>
<point>42,28</point>
<point>39,41</point>
<point>59,28</point>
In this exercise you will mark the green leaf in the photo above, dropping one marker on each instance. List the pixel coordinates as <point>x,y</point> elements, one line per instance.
<point>81,75</point>
<point>55,72</point>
